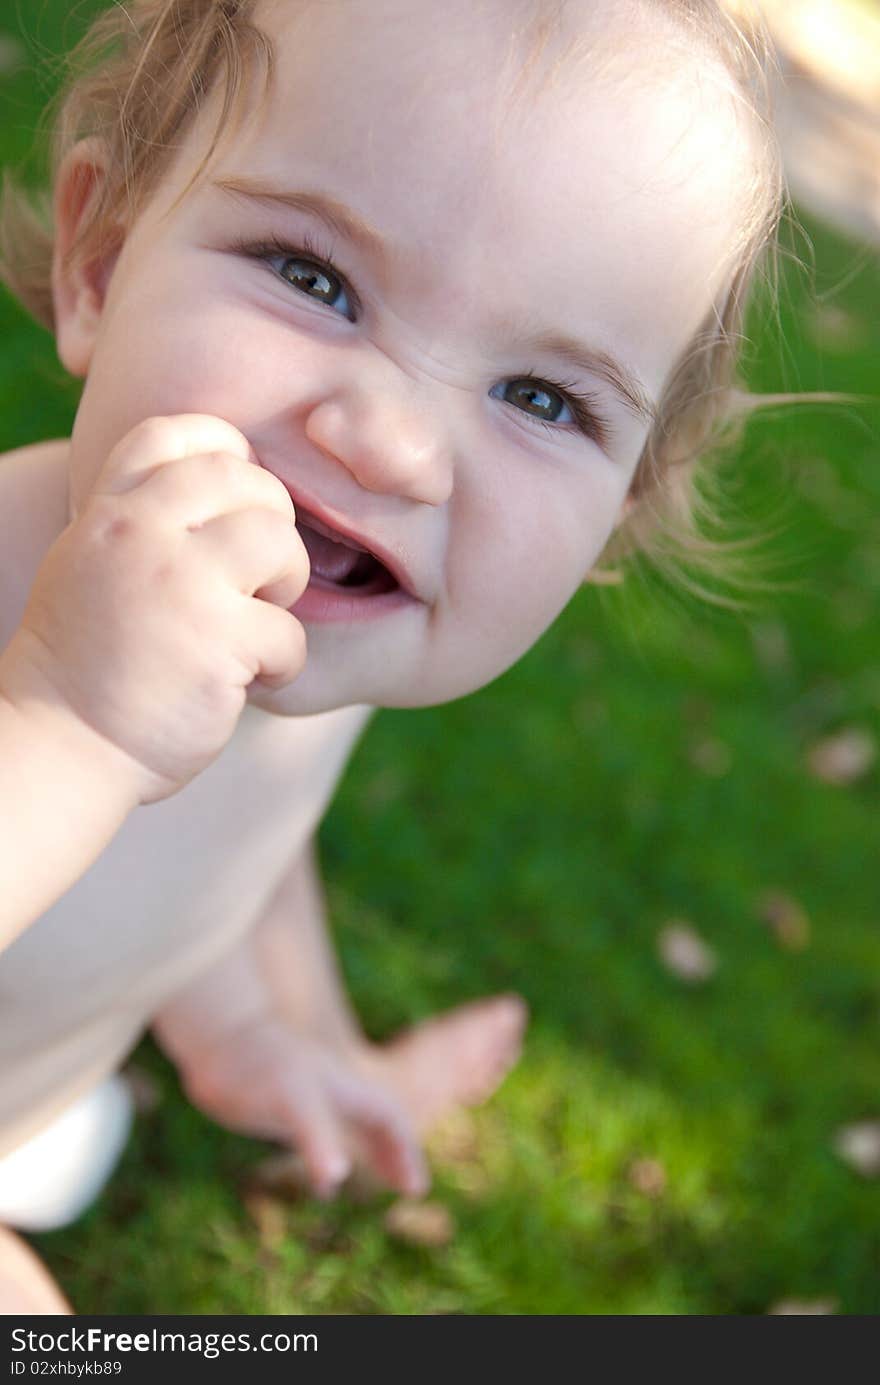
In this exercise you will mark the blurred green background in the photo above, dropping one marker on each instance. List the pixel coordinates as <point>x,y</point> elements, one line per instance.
<point>667,1146</point>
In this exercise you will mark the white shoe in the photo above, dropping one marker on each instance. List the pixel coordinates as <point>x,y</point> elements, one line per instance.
<point>53,1177</point>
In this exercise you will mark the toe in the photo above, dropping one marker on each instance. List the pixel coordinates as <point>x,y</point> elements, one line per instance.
<point>318,1135</point>
<point>391,1147</point>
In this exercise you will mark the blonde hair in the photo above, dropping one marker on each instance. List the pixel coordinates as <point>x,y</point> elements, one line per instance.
<point>142,73</point>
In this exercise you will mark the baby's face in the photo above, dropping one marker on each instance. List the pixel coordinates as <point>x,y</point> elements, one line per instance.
<point>418,391</point>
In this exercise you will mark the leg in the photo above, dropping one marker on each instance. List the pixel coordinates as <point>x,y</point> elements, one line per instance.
<point>25,1284</point>
<point>455,1059</point>
<point>265,1042</point>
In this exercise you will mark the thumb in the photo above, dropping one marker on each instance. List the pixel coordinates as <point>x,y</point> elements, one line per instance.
<point>154,442</point>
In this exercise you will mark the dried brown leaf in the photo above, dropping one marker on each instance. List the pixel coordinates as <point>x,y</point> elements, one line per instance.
<point>648,1177</point>
<point>684,953</point>
<point>281,1176</point>
<point>711,756</point>
<point>844,757</point>
<point>363,1186</point>
<point>458,1145</point>
<point>836,328</point>
<point>454,1139</point>
<point>859,1146</point>
<point>12,55</point>
<point>772,646</point>
<point>790,1307</point>
<point>269,1216</point>
<point>420,1223</point>
<point>387,786</point>
<point>786,919</point>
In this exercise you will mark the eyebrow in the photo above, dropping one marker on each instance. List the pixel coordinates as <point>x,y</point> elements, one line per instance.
<point>589,361</point>
<point>344,221</point>
<point>335,215</point>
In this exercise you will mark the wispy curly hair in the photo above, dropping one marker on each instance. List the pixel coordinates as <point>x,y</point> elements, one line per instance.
<point>143,71</point>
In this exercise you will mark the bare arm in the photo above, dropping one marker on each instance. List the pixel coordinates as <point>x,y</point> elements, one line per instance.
<point>128,672</point>
<point>64,794</point>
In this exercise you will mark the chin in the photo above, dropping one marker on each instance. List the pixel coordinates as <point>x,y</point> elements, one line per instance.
<point>320,689</point>
<point>306,698</point>
<point>298,701</point>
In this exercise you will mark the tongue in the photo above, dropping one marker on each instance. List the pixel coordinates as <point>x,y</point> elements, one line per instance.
<point>332,561</point>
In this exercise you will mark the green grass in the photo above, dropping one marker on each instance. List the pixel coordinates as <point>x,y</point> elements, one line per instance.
<point>536,837</point>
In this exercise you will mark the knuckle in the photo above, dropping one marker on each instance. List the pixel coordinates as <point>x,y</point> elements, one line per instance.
<point>277,488</point>
<point>222,467</point>
<point>106,522</point>
<point>269,493</point>
<point>216,434</point>
<point>146,445</point>
<point>286,534</point>
<point>197,475</point>
<point>165,573</point>
<point>156,434</point>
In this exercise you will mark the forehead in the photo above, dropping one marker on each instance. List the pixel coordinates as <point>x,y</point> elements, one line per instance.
<point>581,146</point>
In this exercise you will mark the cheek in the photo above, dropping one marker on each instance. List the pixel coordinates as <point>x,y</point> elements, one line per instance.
<point>173,356</point>
<point>526,548</point>
<point>192,355</point>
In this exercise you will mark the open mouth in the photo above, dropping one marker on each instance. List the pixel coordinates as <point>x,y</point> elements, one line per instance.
<point>339,563</point>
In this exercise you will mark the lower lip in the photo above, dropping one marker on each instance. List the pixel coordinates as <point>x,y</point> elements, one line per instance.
<point>323,602</point>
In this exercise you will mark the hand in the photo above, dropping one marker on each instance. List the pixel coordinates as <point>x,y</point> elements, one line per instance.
<point>268,1081</point>
<point>165,598</point>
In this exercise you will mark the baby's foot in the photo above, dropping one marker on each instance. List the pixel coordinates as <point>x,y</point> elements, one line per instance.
<point>357,1105</point>
<point>455,1059</point>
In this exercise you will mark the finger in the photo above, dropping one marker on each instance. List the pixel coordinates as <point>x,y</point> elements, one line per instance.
<point>392,1147</point>
<point>260,551</point>
<point>191,491</point>
<point>272,643</point>
<point>313,1128</point>
<point>166,438</point>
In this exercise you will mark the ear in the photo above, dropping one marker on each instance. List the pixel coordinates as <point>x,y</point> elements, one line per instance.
<point>79,284</point>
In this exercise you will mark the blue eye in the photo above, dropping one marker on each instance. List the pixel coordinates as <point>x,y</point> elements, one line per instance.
<point>534,397</point>
<point>317,281</point>
<point>311,271</point>
<point>307,269</point>
<point>548,404</point>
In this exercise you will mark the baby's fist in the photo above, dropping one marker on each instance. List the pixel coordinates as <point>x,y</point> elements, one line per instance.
<point>145,615</point>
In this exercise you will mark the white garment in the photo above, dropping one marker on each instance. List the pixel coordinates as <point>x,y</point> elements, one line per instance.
<point>181,883</point>
<point>54,1176</point>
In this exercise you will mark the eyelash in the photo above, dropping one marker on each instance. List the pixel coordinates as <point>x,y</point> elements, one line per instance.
<point>583,406</point>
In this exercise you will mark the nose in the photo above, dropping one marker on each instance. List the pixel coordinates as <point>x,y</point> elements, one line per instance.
<point>385,441</point>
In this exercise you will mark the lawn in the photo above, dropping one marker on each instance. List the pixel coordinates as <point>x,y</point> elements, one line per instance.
<point>665,1146</point>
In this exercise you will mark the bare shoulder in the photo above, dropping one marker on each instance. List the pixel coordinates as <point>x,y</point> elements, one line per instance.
<point>33,467</point>
<point>35,454</point>
<point>35,449</point>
